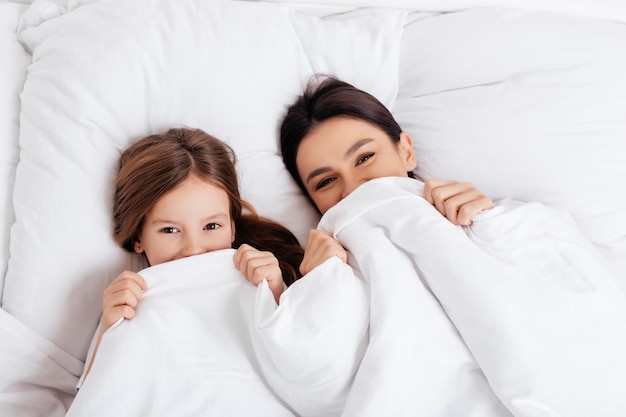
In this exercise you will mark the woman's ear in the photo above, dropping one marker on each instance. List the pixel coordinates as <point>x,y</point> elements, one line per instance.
<point>407,152</point>
<point>137,246</point>
<point>233,231</point>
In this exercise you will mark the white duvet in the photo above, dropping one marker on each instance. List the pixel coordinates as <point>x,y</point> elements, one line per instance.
<point>205,342</point>
<point>530,296</point>
<point>515,315</point>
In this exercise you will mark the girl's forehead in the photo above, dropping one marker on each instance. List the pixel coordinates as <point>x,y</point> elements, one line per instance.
<point>192,194</point>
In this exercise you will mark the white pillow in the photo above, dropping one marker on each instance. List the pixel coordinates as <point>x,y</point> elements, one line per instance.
<point>112,71</point>
<point>525,105</point>
<point>12,79</point>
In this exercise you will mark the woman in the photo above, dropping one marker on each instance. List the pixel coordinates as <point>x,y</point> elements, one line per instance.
<point>336,137</point>
<point>523,286</point>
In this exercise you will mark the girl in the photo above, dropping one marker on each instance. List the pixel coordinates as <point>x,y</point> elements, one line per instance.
<point>177,195</point>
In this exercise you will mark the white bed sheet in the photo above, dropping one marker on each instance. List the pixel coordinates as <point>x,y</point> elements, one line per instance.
<point>12,75</point>
<point>38,379</point>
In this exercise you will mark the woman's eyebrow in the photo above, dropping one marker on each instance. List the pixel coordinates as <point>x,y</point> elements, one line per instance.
<point>352,150</point>
<point>316,172</point>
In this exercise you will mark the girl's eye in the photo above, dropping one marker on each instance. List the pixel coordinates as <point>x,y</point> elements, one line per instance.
<point>323,183</point>
<point>212,226</point>
<point>364,158</point>
<point>169,230</point>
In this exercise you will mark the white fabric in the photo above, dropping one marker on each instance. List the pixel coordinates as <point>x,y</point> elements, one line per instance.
<point>111,71</point>
<point>311,346</point>
<point>525,105</point>
<point>532,299</point>
<point>12,74</point>
<point>603,9</point>
<point>37,378</point>
<point>207,342</point>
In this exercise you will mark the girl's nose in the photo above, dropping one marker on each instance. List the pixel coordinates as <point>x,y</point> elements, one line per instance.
<point>193,246</point>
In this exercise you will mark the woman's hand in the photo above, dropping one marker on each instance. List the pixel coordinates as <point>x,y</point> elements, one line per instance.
<point>456,201</point>
<point>320,246</point>
<point>256,265</point>
<point>121,298</point>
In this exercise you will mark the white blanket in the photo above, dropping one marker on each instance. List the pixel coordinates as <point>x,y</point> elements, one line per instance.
<point>530,297</point>
<point>207,342</point>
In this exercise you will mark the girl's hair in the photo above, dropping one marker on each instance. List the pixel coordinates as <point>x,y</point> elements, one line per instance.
<point>157,163</point>
<point>325,98</point>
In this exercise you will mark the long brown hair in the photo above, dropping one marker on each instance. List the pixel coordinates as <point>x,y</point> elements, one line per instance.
<point>157,163</point>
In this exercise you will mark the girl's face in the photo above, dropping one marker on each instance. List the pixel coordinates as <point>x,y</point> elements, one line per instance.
<point>342,153</point>
<point>191,219</point>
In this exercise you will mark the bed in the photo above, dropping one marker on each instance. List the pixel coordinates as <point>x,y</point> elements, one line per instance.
<point>527,100</point>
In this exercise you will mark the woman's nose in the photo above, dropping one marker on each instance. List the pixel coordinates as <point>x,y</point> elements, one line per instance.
<point>351,185</point>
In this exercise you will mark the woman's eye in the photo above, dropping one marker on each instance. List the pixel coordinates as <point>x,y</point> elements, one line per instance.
<point>212,226</point>
<point>364,158</point>
<point>169,230</point>
<point>323,183</point>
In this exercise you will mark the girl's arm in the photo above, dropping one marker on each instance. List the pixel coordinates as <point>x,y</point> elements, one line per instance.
<point>119,300</point>
<point>256,265</point>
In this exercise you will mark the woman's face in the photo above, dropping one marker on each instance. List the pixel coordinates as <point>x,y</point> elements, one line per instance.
<point>342,153</point>
<point>191,219</point>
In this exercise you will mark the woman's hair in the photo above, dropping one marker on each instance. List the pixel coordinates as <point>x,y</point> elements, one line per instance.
<point>157,163</point>
<point>324,100</point>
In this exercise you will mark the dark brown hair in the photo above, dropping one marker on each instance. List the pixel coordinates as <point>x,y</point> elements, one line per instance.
<point>326,97</point>
<point>157,163</point>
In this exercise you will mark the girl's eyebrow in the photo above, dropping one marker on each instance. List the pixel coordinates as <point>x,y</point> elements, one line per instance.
<point>351,151</point>
<point>216,216</point>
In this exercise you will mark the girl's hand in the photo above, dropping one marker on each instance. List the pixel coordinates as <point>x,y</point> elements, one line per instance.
<point>456,201</point>
<point>121,298</point>
<point>256,265</point>
<point>320,246</point>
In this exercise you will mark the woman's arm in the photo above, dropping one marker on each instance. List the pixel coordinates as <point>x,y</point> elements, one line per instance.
<point>320,246</point>
<point>458,201</point>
